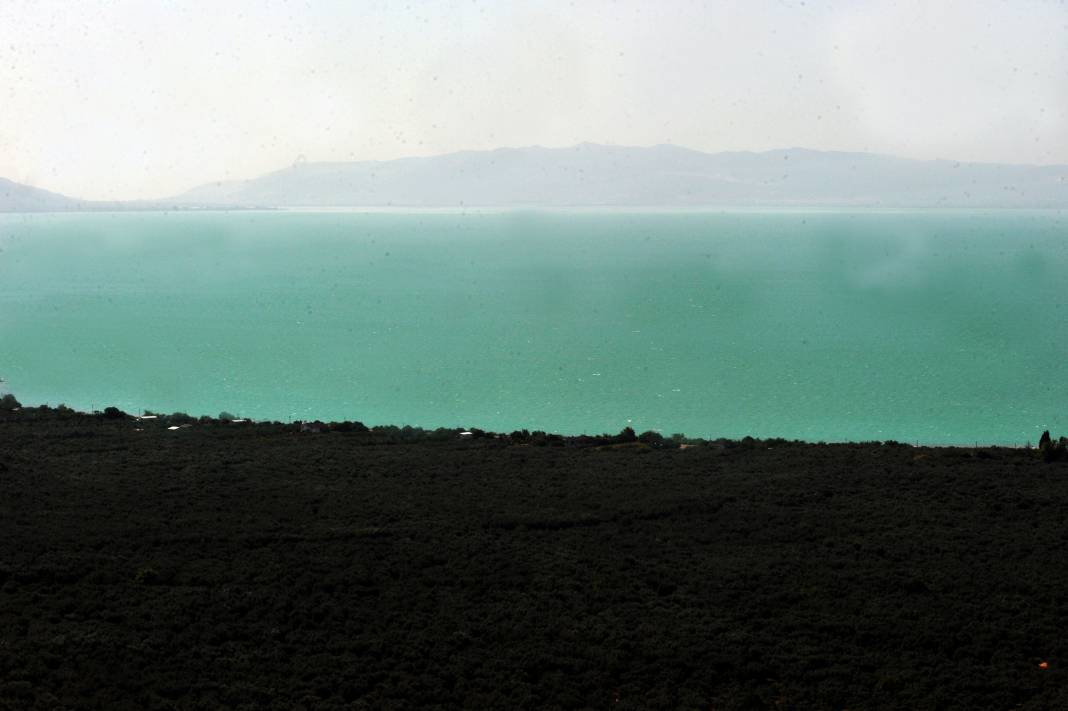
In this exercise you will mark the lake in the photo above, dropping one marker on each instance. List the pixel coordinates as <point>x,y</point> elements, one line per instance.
<point>922,326</point>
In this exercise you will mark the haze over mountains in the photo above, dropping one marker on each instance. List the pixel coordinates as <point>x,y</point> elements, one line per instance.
<point>15,197</point>
<point>598,175</point>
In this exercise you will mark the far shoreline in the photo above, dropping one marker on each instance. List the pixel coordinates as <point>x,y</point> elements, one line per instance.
<point>565,209</point>
<point>392,433</point>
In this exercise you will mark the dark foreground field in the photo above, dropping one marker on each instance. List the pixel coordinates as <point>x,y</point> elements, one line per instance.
<point>231,566</point>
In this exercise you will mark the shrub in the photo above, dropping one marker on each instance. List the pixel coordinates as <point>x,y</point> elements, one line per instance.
<point>8,402</point>
<point>113,413</point>
<point>412,434</point>
<point>651,438</point>
<point>1053,451</point>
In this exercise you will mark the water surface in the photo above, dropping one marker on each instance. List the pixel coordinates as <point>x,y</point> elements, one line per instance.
<point>929,326</point>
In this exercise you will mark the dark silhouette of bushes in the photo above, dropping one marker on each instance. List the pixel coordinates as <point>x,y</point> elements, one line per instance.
<point>393,434</point>
<point>347,426</point>
<point>543,439</point>
<point>1053,451</point>
<point>658,441</point>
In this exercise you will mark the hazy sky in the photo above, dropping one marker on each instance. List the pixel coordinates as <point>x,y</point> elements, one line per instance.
<point>146,99</point>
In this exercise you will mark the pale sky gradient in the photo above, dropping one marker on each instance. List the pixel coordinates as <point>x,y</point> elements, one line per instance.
<point>143,99</point>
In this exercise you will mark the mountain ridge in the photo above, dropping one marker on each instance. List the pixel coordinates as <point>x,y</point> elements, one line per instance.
<point>657,176</point>
<point>597,175</point>
<point>18,197</point>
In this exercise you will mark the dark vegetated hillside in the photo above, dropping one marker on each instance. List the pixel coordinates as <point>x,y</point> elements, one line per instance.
<point>256,566</point>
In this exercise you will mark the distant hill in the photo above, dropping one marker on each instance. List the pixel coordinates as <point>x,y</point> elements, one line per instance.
<point>15,197</point>
<point>667,176</point>
<point>596,175</point>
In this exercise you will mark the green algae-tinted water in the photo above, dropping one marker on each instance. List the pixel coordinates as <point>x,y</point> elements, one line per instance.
<point>938,327</point>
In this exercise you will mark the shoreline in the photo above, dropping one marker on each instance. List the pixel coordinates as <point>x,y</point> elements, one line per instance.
<point>411,433</point>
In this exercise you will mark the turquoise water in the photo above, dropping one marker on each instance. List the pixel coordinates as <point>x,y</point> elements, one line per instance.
<point>939,327</point>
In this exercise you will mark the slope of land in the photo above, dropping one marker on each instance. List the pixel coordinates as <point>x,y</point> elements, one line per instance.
<point>16,197</point>
<point>666,176</point>
<point>594,175</point>
<point>258,566</point>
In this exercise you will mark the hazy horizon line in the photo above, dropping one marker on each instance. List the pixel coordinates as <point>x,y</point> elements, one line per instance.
<point>302,160</point>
